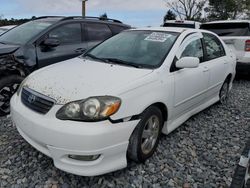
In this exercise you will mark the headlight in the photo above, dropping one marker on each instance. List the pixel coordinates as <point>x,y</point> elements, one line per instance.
<point>91,109</point>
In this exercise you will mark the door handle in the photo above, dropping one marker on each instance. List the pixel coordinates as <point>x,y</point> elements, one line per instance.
<point>205,69</point>
<point>80,50</point>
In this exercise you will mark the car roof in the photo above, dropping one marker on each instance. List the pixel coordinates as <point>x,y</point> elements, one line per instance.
<point>169,29</point>
<point>172,29</point>
<point>74,18</point>
<point>228,21</point>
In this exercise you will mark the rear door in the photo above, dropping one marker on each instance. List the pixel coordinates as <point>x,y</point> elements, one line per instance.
<point>72,44</point>
<point>216,61</point>
<point>97,33</point>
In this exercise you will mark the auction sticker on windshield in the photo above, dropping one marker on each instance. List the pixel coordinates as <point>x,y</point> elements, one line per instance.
<point>158,37</point>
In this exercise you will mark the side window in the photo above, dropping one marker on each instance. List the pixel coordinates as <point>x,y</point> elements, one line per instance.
<point>213,46</point>
<point>194,49</point>
<point>68,34</point>
<point>117,29</point>
<point>98,32</point>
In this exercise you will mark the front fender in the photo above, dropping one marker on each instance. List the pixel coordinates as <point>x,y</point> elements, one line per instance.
<point>135,101</point>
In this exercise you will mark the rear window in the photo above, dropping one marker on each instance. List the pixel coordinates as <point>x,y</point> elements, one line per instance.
<point>179,25</point>
<point>228,29</point>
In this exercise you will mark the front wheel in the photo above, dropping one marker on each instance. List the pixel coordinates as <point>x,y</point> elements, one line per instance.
<point>8,86</point>
<point>145,138</point>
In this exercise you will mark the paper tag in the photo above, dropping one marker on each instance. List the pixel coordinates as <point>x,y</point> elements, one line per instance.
<point>157,37</point>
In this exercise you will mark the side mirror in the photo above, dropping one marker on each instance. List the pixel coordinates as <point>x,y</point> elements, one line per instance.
<point>188,62</point>
<point>51,42</point>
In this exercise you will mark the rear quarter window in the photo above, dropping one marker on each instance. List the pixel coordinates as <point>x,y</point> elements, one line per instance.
<point>228,29</point>
<point>213,47</point>
<point>117,29</point>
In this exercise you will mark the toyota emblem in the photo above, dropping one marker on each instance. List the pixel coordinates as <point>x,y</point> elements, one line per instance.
<point>32,99</point>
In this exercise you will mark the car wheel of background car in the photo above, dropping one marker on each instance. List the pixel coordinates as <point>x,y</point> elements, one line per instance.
<point>145,138</point>
<point>8,86</point>
<point>224,92</point>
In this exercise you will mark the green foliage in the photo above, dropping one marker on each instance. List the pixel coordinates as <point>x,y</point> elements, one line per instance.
<point>169,16</point>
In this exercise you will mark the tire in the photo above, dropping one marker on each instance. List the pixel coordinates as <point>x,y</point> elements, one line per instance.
<point>248,184</point>
<point>241,178</point>
<point>8,87</point>
<point>224,92</point>
<point>145,138</point>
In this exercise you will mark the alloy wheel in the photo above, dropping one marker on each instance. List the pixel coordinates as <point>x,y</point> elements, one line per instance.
<point>224,93</point>
<point>150,134</point>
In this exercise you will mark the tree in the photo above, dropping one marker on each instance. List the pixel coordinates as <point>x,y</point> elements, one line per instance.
<point>187,9</point>
<point>104,16</point>
<point>227,9</point>
<point>169,16</point>
<point>12,21</point>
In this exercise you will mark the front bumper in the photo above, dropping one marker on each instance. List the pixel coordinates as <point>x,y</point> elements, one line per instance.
<point>59,139</point>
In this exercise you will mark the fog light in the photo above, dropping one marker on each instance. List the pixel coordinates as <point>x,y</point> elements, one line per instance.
<point>84,157</point>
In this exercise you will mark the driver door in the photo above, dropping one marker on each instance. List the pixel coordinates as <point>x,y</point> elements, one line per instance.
<point>190,83</point>
<point>71,45</point>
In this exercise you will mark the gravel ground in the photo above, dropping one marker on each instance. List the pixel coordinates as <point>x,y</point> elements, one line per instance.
<point>203,153</point>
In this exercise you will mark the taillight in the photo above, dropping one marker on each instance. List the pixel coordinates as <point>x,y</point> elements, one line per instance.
<point>247,48</point>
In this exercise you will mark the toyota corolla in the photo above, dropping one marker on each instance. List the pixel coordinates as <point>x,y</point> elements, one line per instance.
<point>91,113</point>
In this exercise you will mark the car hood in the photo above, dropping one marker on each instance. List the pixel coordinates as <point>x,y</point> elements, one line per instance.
<point>7,48</point>
<point>78,79</point>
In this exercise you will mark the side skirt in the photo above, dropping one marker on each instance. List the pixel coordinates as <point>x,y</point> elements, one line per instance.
<point>170,126</point>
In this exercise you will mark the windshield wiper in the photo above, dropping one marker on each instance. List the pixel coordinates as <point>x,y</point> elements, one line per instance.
<point>121,62</point>
<point>94,57</point>
<point>2,42</point>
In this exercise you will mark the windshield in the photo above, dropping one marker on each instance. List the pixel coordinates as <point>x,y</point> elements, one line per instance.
<point>179,25</point>
<point>229,29</point>
<point>23,33</point>
<point>136,48</point>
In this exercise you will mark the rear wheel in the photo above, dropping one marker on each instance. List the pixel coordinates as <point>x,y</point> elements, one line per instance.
<point>8,86</point>
<point>145,138</point>
<point>224,92</point>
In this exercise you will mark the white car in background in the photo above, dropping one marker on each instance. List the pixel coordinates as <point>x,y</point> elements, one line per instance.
<point>236,34</point>
<point>182,23</point>
<point>3,29</point>
<point>89,113</point>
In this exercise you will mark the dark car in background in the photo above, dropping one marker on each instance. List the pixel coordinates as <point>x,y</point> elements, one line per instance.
<point>45,41</point>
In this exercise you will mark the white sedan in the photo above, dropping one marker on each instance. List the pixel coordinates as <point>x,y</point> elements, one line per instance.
<point>92,112</point>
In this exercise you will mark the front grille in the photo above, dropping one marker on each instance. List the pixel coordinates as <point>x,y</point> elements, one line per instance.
<point>36,101</point>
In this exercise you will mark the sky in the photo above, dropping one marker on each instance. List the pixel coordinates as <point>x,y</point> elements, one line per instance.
<point>134,12</point>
